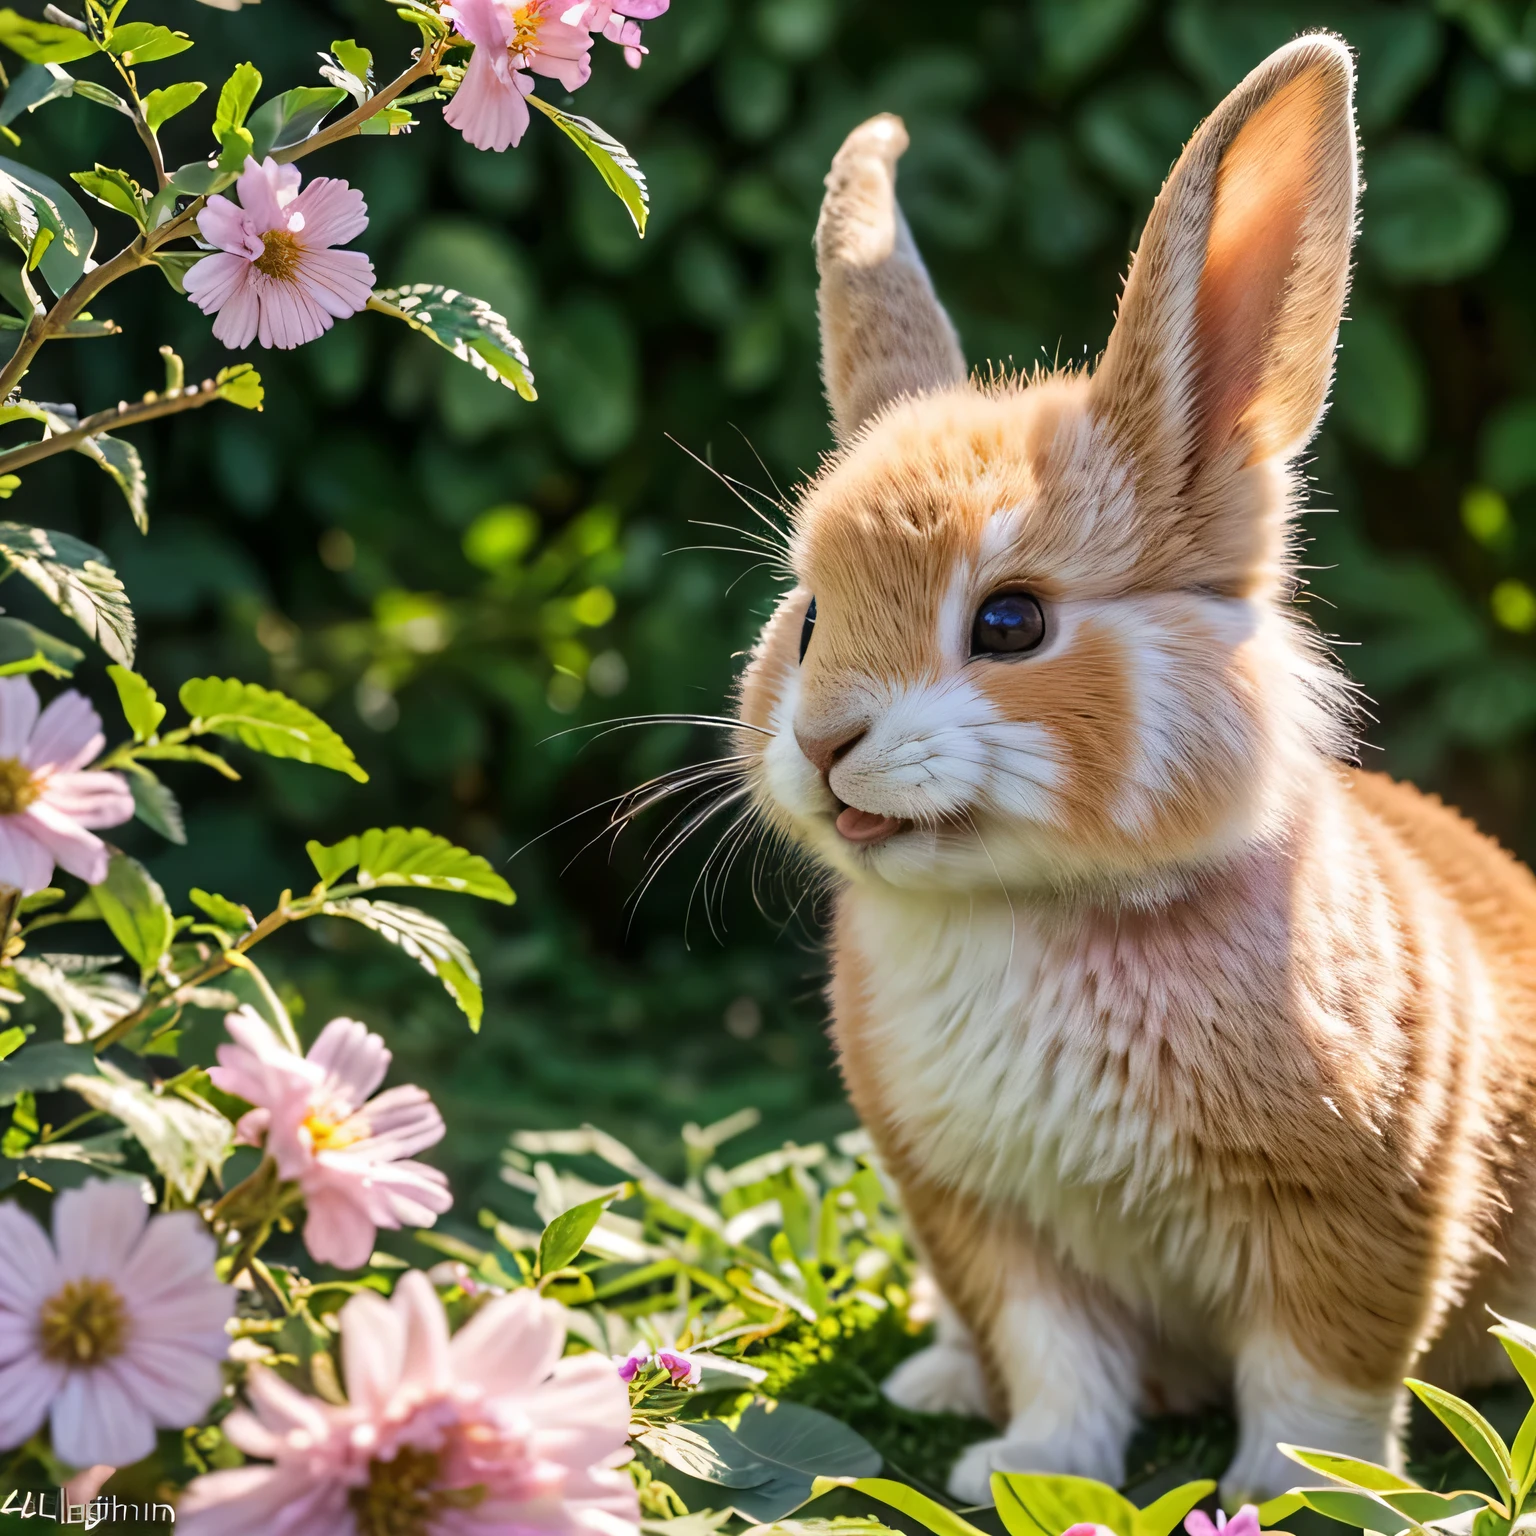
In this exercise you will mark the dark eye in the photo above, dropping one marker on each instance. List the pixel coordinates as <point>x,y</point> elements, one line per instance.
<point>1007,624</point>
<point>806,628</point>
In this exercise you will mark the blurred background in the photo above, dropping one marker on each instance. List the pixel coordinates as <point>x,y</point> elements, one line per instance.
<point>454,577</point>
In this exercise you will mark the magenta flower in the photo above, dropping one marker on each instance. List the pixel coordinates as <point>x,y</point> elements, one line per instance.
<point>619,22</point>
<point>633,1363</point>
<point>346,1151</point>
<point>683,1371</point>
<point>1244,1523</point>
<point>275,275</point>
<point>546,37</point>
<point>113,1328</point>
<point>47,796</point>
<point>487,1432</point>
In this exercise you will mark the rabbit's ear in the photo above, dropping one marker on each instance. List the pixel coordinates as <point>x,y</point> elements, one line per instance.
<point>1223,347</point>
<point>883,330</point>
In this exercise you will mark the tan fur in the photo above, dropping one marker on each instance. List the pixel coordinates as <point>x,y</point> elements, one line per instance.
<point>1205,1065</point>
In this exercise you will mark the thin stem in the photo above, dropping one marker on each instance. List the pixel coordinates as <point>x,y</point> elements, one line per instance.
<point>10,906</point>
<point>124,415</point>
<point>141,123</point>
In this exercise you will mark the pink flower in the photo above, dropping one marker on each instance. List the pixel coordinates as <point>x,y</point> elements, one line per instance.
<point>683,1371</point>
<point>47,798</point>
<point>275,275</point>
<point>113,1328</point>
<point>619,21</point>
<point>1244,1523</point>
<point>346,1151</point>
<point>548,37</point>
<point>490,1431</point>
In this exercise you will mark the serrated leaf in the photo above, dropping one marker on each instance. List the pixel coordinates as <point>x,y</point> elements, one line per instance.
<point>291,118</point>
<point>410,856</point>
<point>121,460</point>
<point>564,1237</point>
<point>90,998</point>
<point>465,326</point>
<point>1476,1434</point>
<point>43,42</point>
<point>42,1067</point>
<point>223,911</point>
<point>186,1142</point>
<point>432,944</point>
<point>141,708</point>
<point>134,907</point>
<point>266,721</point>
<point>614,163</point>
<point>116,189</point>
<point>240,385</point>
<point>162,105</point>
<point>74,575</point>
<point>146,42</point>
<point>63,262</point>
<point>155,805</point>
<point>236,97</point>
<point>36,85</point>
<point>26,648</point>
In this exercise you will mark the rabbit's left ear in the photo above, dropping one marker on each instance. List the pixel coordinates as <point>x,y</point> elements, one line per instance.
<point>1222,351</point>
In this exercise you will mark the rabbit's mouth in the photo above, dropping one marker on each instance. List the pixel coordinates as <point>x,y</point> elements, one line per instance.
<point>867,828</point>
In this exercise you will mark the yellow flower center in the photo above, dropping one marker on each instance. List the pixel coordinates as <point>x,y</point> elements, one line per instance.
<point>18,789</point>
<point>280,253</point>
<point>399,1499</point>
<point>327,1135</point>
<point>526,21</point>
<point>84,1323</point>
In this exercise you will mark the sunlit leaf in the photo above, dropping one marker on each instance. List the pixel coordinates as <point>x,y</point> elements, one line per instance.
<point>116,189</point>
<point>134,907</point>
<point>410,856</point>
<point>26,648</point>
<point>35,85</point>
<point>241,385</point>
<point>1477,1435</point>
<point>146,42</point>
<point>467,327</point>
<point>432,944</point>
<point>266,721</point>
<point>291,118</point>
<point>156,805</point>
<point>162,105</point>
<point>223,911</point>
<point>43,42</point>
<point>614,163</point>
<point>63,262</point>
<point>141,708</point>
<point>74,575</point>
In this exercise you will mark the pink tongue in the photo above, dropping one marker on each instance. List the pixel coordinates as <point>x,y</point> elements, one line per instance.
<point>864,826</point>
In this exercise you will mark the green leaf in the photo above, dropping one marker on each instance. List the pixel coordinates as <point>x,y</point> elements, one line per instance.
<point>74,575</point>
<point>162,105</point>
<point>134,907</point>
<point>155,805</point>
<point>240,385</point>
<point>614,163</point>
<point>1519,1343</point>
<point>223,911</point>
<point>467,327</point>
<point>236,96</point>
<point>201,177</point>
<point>141,708</point>
<point>63,262</point>
<point>291,118</point>
<point>117,189</point>
<point>235,147</point>
<point>174,266</point>
<point>42,1067</point>
<point>353,58</point>
<point>1352,1507</point>
<point>146,42</point>
<point>34,86</point>
<point>120,459</point>
<point>939,1518</point>
<point>432,944</point>
<point>726,1464</point>
<point>43,42</point>
<point>1163,1516</point>
<point>414,856</point>
<point>88,90</point>
<point>11,1040</point>
<point>1476,1434</point>
<point>183,753</point>
<point>1506,450</point>
<point>1347,1469</point>
<point>26,648</point>
<point>1429,215</point>
<point>1522,1456</point>
<point>565,1236</point>
<point>1044,1504</point>
<point>266,721</point>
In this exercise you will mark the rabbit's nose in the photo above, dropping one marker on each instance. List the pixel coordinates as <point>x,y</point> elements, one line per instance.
<point>824,751</point>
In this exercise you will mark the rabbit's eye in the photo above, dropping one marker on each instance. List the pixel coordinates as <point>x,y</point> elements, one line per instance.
<point>806,628</point>
<point>1007,624</point>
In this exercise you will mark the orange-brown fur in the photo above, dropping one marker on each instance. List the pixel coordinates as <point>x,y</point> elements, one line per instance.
<point>1205,1064</point>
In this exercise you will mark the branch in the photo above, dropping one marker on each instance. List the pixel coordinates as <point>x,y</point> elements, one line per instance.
<point>151,406</point>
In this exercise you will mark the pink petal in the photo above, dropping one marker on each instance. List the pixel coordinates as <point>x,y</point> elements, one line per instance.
<point>484,22</point>
<point>80,852</point>
<point>338,1229</point>
<point>224,224</point>
<point>18,714</point>
<point>265,192</point>
<point>240,316</point>
<point>27,1388</point>
<point>95,1229</point>
<point>67,736</point>
<point>1198,1523</point>
<point>24,862</point>
<point>289,317</point>
<point>92,799</point>
<point>340,282</point>
<point>215,280</point>
<point>393,1194</point>
<point>334,212</point>
<point>488,108</point>
<point>372,1351</point>
<point>512,1341</point>
<point>174,1385</point>
<point>427,1365</point>
<point>354,1058</point>
<point>264,1501</point>
<point>28,1268</point>
<point>402,1121</point>
<point>95,1419</point>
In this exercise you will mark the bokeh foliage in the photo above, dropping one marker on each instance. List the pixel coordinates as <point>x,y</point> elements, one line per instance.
<point>456,587</point>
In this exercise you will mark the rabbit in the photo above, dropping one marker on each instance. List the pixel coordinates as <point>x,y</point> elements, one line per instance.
<point>1203,1061</point>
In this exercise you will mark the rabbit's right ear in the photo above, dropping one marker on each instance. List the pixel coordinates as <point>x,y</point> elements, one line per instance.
<point>883,330</point>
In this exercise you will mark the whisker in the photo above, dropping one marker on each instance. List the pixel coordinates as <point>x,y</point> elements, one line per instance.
<point>760,464</point>
<point>626,722</point>
<point>720,803</point>
<point>730,484</point>
<point>732,829</point>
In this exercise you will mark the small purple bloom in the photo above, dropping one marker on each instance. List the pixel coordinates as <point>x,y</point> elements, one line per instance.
<point>633,1363</point>
<point>1244,1523</point>
<point>683,1371</point>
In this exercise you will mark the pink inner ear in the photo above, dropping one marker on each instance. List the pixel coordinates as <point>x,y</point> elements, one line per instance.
<point>1262,194</point>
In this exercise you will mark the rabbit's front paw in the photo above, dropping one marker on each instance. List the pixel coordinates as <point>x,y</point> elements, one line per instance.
<point>971,1480</point>
<point>943,1378</point>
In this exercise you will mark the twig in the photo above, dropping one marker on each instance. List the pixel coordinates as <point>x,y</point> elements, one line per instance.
<point>152,406</point>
